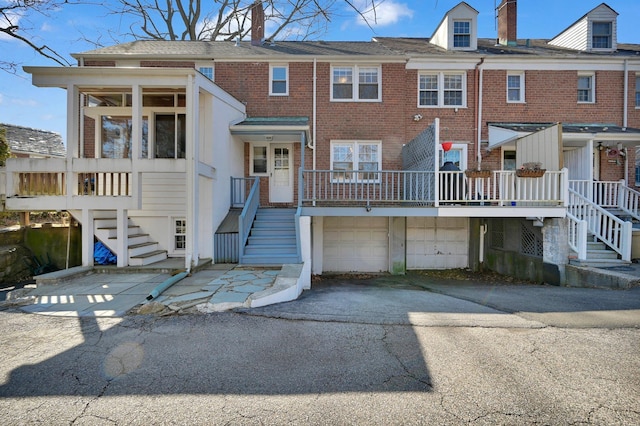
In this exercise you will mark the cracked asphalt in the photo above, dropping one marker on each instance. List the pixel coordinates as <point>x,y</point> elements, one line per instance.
<point>374,351</point>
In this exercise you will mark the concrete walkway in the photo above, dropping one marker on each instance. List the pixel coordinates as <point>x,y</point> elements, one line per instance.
<point>96,293</point>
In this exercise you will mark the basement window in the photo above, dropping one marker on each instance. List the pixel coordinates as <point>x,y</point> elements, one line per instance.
<point>180,234</point>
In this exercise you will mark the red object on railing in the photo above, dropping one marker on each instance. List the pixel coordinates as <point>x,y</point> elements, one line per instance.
<point>446,146</point>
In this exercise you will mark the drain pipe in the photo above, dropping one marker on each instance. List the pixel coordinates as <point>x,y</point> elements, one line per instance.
<point>478,120</point>
<point>483,231</point>
<point>175,277</point>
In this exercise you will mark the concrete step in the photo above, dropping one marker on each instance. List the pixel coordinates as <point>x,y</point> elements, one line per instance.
<point>112,231</point>
<point>598,263</point>
<point>148,258</point>
<point>601,254</point>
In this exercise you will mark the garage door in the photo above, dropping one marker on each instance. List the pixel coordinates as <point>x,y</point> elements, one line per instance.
<point>437,242</point>
<point>355,244</point>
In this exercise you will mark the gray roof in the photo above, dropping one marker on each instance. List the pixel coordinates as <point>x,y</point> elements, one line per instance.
<point>568,127</point>
<point>233,50</point>
<point>32,141</point>
<point>392,48</point>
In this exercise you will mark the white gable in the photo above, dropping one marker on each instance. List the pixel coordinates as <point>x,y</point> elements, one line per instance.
<point>579,35</point>
<point>443,36</point>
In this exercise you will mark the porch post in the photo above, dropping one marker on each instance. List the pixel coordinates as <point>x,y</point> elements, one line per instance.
<point>73,141</point>
<point>303,142</point>
<point>136,145</point>
<point>193,205</point>
<point>122,226</point>
<point>87,237</point>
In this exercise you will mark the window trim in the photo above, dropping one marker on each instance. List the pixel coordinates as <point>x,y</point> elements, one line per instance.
<point>592,89</point>
<point>355,143</point>
<point>271,79</point>
<point>521,88</point>
<point>355,82</point>
<point>610,35</point>
<point>264,145</point>
<point>441,75</point>
<point>456,146</point>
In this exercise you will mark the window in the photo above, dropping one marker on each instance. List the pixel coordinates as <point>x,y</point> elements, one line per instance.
<point>601,36</point>
<point>258,160</point>
<point>170,135</point>
<point>508,159</point>
<point>362,156</point>
<point>637,91</point>
<point>441,90</point>
<point>278,76</point>
<point>179,234</point>
<point>116,136</point>
<point>344,87</point>
<point>461,34</point>
<point>207,72</point>
<point>586,88</point>
<point>457,155</point>
<point>515,87</point>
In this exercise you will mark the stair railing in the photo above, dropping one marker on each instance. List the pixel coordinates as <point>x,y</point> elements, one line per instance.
<point>629,201</point>
<point>246,218</point>
<point>611,230</point>
<point>578,232</point>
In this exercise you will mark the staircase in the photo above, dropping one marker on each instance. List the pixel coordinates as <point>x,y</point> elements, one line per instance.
<point>599,256</point>
<point>141,249</point>
<point>272,239</point>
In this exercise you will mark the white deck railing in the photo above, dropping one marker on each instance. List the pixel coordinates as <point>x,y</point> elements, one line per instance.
<point>578,232</point>
<point>415,188</point>
<point>611,230</point>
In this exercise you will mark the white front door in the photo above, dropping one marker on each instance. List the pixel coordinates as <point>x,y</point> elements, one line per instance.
<point>281,175</point>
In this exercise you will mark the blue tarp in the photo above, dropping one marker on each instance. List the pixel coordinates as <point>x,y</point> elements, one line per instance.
<point>102,255</point>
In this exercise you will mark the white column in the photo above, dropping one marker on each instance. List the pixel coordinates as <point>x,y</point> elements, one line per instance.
<point>87,237</point>
<point>136,145</point>
<point>122,233</point>
<point>193,191</point>
<point>73,140</point>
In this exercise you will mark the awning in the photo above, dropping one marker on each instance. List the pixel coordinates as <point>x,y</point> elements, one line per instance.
<point>504,133</point>
<point>271,129</point>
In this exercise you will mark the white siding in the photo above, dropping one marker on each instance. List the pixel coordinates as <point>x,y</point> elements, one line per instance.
<point>543,147</point>
<point>163,194</point>
<point>437,242</point>
<point>578,162</point>
<point>355,244</point>
<point>574,37</point>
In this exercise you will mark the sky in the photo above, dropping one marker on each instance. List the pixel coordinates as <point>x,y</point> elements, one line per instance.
<point>66,31</point>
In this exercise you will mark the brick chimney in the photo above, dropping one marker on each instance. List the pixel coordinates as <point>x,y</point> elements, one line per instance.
<point>507,23</point>
<point>257,23</point>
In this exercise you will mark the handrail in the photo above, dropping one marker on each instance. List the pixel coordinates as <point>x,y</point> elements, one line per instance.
<point>578,236</point>
<point>611,230</point>
<point>245,220</point>
<point>239,191</point>
<point>298,236</point>
<point>629,201</point>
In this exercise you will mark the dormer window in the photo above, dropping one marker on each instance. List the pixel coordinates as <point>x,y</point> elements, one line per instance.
<point>601,35</point>
<point>461,34</point>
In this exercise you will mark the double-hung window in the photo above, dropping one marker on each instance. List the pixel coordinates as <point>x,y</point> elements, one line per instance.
<point>278,80</point>
<point>441,89</point>
<point>461,34</point>
<point>179,234</point>
<point>586,88</point>
<point>601,35</point>
<point>356,161</point>
<point>356,83</point>
<point>637,91</point>
<point>515,87</point>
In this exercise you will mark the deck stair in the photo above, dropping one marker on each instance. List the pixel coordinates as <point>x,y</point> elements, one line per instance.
<point>272,239</point>
<point>599,256</point>
<point>141,249</point>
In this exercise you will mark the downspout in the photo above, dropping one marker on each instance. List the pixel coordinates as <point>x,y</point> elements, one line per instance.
<point>478,119</point>
<point>312,143</point>
<point>626,93</point>
<point>483,231</point>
